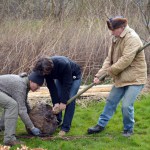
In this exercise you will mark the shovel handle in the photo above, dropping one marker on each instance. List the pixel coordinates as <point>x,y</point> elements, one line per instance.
<point>84,90</point>
<point>101,78</point>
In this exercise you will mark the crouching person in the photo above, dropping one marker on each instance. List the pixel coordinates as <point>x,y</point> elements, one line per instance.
<point>13,99</point>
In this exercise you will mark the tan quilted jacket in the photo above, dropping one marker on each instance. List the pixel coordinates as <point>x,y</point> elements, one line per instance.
<point>122,63</point>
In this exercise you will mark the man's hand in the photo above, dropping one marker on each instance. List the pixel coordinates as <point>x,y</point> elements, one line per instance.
<point>62,106</point>
<point>96,80</point>
<point>56,109</point>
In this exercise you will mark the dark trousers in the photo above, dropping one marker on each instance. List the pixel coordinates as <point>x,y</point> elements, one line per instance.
<point>70,109</point>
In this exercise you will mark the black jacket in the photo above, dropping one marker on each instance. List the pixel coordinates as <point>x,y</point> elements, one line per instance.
<point>65,70</point>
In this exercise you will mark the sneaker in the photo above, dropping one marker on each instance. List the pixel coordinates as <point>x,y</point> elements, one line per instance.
<point>61,133</point>
<point>13,143</point>
<point>127,133</point>
<point>95,129</point>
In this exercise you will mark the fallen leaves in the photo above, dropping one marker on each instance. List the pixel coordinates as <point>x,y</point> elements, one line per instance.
<point>23,147</point>
<point>4,147</point>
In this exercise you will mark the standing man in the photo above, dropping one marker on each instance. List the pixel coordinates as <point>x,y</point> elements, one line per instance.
<point>129,72</point>
<point>63,78</point>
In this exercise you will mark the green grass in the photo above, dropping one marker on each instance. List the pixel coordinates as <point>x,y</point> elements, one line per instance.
<point>110,138</point>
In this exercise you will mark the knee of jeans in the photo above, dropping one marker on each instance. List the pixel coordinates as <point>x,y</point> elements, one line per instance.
<point>111,102</point>
<point>127,109</point>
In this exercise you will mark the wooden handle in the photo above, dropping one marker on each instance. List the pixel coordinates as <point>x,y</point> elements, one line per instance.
<point>101,78</point>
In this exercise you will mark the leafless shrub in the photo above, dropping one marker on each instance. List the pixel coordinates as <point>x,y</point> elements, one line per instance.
<point>32,29</point>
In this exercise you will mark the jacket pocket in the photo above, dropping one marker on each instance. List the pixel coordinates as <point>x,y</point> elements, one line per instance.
<point>129,75</point>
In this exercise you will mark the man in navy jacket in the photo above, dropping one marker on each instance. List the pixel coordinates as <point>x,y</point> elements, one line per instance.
<point>63,78</point>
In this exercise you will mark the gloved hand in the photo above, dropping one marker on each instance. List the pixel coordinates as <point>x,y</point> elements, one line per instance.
<point>35,131</point>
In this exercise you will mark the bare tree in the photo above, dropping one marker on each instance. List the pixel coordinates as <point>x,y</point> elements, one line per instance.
<point>58,8</point>
<point>144,7</point>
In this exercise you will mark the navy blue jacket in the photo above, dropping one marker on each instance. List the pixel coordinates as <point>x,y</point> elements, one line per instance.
<point>65,70</point>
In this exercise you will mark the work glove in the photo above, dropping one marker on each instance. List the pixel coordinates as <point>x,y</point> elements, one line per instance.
<point>35,131</point>
<point>56,109</point>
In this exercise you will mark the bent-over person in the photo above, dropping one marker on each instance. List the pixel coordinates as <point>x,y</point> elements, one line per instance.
<point>63,78</point>
<point>13,99</point>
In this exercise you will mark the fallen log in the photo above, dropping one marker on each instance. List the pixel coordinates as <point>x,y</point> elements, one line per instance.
<point>43,95</point>
<point>98,94</point>
<point>98,88</point>
<point>44,92</point>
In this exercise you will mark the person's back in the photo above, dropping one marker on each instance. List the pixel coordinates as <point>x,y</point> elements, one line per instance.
<point>11,84</point>
<point>60,63</point>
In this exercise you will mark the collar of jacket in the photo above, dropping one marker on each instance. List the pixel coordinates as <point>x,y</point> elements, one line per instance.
<point>26,81</point>
<point>125,31</point>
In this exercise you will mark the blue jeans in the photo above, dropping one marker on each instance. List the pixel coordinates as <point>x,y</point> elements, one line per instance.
<point>128,94</point>
<point>69,111</point>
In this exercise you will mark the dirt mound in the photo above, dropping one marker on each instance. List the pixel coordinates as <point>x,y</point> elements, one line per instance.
<point>43,118</point>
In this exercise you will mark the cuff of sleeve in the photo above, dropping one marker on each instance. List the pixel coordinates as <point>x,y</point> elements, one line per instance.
<point>64,102</point>
<point>32,128</point>
<point>96,76</point>
<point>102,75</point>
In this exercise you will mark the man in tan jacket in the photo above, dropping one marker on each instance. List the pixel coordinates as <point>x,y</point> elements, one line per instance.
<point>128,70</point>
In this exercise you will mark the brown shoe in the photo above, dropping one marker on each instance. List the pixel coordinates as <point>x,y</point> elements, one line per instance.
<point>61,133</point>
<point>13,143</point>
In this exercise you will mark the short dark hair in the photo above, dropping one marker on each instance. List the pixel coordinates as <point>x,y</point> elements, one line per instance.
<point>44,66</point>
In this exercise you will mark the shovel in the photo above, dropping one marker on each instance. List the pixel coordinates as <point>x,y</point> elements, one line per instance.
<point>101,78</point>
<point>92,84</point>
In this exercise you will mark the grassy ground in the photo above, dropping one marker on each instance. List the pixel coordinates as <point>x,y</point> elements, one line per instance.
<point>110,138</point>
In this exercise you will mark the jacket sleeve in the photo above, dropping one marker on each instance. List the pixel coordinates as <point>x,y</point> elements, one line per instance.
<point>20,97</point>
<point>67,82</point>
<point>128,55</point>
<point>106,65</point>
<point>66,79</point>
<point>52,89</point>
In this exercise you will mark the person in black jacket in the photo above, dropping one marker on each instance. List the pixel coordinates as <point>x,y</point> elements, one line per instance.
<point>63,78</point>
